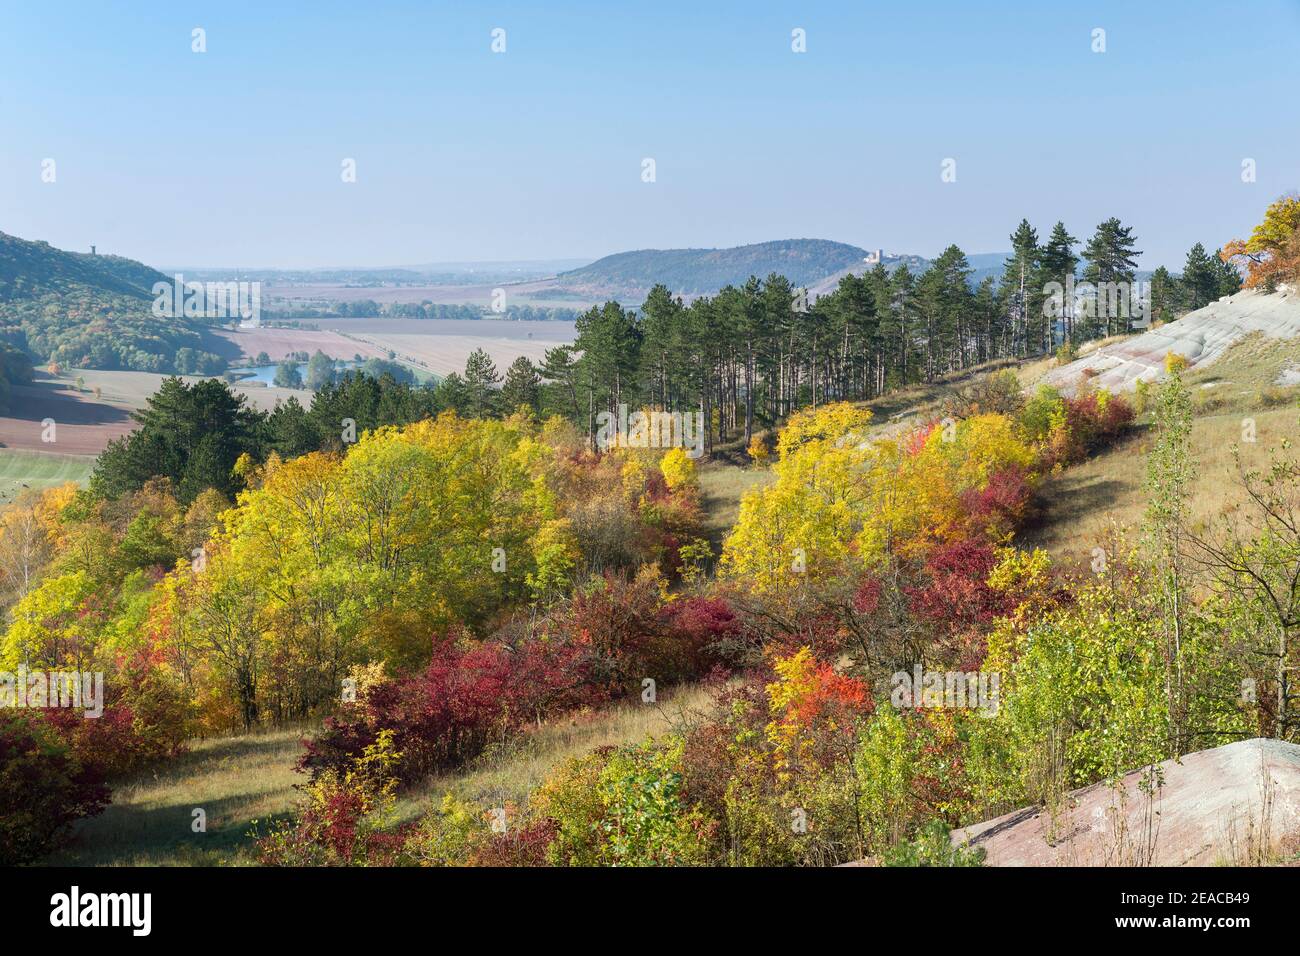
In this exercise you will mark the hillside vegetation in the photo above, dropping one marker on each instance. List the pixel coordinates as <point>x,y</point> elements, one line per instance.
<point>78,310</point>
<point>428,579</point>
<point>31,269</point>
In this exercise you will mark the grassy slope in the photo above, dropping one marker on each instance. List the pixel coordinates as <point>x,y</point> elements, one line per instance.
<point>1083,502</point>
<point>238,780</point>
<point>234,779</point>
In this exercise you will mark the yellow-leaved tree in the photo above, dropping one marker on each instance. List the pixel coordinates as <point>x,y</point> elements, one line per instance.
<point>842,501</point>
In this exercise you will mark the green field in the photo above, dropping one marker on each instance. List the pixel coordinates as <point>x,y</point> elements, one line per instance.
<point>27,469</point>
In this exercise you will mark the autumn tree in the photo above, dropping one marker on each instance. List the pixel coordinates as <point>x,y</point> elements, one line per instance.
<point>1272,253</point>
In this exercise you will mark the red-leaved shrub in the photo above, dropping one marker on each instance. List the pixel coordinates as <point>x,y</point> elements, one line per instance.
<point>44,787</point>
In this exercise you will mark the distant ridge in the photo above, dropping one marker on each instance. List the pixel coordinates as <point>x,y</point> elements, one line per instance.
<point>694,272</point>
<point>816,264</point>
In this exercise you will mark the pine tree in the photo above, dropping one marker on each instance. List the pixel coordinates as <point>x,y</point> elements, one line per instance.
<point>609,339</point>
<point>1200,279</point>
<point>902,308</point>
<point>560,391</point>
<point>452,394</point>
<point>192,434</point>
<point>481,379</point>
<point>1057,263</point>
<point>522,386</point>
<point>1110,256</point>
<point>1228,279</point>
<point>1019,276</point>
<point>1166,296</point>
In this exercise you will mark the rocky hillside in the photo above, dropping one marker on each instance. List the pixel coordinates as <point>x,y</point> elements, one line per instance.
<point>1202,337</point>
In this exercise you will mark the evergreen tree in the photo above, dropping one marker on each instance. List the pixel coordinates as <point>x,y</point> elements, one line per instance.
<point>191,434</point>
<point>522,386</point>
<point>1166,296</point>
<point>609,339</point>
<point>1200,279</point>
<point>481,379</point>
<point>903,313</point>
<point>1020,274</point>
<point>452,394</point>
<point>1110,256</point>
<point>1057,263</point>
<point>560,391</point>
<point>290,431</point>
<point>1228,279</point>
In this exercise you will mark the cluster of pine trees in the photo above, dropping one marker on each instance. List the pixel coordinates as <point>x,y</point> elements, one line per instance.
<point>750,356</point>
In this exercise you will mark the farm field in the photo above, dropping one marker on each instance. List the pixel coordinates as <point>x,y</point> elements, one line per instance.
<point>541,292</point>
<point>442,346</point>
<point>91,407</point>
<point>20,470</point>
<point>438,347</point>
<point>131,389</point>
<point>82,424</point>
<point>86,420</point>
<point>279,343</point>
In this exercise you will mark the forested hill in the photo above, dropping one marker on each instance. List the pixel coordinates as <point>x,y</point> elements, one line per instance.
<point>816,264</point>
<point>31,269</point>
<point>80,310</point>
<point>704,271</point>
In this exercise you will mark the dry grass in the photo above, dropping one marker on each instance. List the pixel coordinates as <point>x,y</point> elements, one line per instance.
<point>239,780</point>
<point>721,488</point>
<point>235,780</point>
<point>1081,503</point>
<point>1029,372</point>
<point>1243,380</point>
<point>509,773</point>
<point>926,400</point>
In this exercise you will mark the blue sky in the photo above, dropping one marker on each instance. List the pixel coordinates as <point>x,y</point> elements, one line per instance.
<point>233,157</point>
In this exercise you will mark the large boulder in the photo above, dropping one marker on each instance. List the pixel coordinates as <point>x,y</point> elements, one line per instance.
<point>1238,804</point>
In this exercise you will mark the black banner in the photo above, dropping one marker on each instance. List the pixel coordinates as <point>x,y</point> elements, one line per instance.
<point>140,906</point>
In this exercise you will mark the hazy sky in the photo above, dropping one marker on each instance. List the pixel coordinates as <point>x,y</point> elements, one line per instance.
<point>233,156</point>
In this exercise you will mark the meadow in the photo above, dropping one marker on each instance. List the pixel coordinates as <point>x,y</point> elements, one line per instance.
<point>21,470</point>
<point>246,783</point>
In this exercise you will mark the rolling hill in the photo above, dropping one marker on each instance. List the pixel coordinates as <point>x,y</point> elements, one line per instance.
<point>81,310</point>
<point>817,264</point>
<point>694,272</point>
<point>30,269</point>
